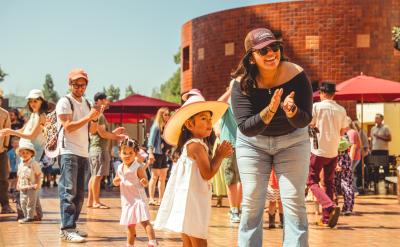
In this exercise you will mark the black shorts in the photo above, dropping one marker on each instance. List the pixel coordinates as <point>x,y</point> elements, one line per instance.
<point>160,162</point>
<point>12,175</point>
<point>47,170</point>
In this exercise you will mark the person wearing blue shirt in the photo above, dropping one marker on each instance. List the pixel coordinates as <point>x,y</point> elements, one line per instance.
<point>14,161</point>
<point>227,131</point>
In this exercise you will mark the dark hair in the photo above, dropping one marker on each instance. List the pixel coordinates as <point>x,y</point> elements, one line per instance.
<point>130,143</point>
<point>15,111</point>
<point>248,72</point>
<point>43,106</point>
<point>99,96</point>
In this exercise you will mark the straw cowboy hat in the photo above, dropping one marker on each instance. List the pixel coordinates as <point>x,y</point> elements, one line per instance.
<point>195,104</point>
<point>27,145</point>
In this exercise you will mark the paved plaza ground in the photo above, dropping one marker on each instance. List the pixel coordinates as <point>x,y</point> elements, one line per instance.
<point>376,223</point>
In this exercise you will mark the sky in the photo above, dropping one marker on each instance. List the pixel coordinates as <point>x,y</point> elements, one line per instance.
<point>120,43</point>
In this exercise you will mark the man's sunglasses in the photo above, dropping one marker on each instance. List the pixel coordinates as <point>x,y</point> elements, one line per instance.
<point>264,51</point>
<point>77,86</point>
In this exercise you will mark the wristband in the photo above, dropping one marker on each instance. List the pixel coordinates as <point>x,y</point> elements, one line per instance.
<point>293,108</point>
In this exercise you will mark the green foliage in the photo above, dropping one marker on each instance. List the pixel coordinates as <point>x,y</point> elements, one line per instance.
<point>155,93</point>
<point>2,75</point>
<point>396,34</point>
<point>129,91</point>
<point>112,92</point>
<point>48,89</point>
<point>171,89</point>
<point>177,57</point>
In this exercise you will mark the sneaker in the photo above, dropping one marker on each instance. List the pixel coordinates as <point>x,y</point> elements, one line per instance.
<point>71,236</point>
<point>334,217</point>
<point>234,216</point>
<point>81,233</point>
<point>152,243</point>
<point>347,213</point>
<point>25,220</point>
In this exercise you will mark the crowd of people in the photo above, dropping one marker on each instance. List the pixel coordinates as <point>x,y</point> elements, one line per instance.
<point>264,137</point>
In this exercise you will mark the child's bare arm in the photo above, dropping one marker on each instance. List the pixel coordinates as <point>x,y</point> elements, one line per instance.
<point>209,168</point>
<point>38,177</point>
<point>116,180</point>
<point>142,177</point>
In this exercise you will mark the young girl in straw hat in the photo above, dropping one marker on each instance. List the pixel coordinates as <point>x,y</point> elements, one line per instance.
<point>186,205</point>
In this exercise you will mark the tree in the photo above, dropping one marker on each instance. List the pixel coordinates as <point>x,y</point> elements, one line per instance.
<point>48,89</point>
<point>2,75</point>
<point>129,91</point>
<point>112,92</point>
<point>155,93</point>
<point>171,89</point>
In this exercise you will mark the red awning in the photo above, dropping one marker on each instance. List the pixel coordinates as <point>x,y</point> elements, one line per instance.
<point>136,107</point>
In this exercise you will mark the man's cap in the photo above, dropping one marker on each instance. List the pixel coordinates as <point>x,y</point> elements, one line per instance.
<point>328,87</point>
<point>76,74</point>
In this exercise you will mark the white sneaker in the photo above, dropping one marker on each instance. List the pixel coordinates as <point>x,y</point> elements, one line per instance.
<point>71,236</point>
<point>81,233</point>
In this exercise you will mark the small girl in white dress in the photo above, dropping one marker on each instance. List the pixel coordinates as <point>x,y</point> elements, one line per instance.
<point>131,178</point>
<point>186,205</point>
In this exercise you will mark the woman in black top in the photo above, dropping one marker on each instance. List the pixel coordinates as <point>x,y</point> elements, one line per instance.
<point>272,103</point>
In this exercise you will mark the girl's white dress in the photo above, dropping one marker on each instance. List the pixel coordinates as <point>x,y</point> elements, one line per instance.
<point>133,196</point>
<point>186,205</point>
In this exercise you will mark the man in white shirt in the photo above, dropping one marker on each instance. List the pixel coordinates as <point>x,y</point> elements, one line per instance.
<point>75,114</point>
<point>330,119</point>
<point>381,137</point>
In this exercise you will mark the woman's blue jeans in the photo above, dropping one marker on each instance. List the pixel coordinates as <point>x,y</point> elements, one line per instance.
<point>290,156</point>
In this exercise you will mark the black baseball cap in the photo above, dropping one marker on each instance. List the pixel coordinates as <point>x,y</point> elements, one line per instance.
<point>328,87</point>
<point>99,96</point>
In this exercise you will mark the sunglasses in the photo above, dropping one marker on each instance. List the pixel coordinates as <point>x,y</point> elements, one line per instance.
<point>77,86</point>
<point>264,51</point>
<point>130,143</point>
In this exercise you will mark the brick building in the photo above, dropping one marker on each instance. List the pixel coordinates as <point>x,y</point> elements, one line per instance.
<point>331,39</point>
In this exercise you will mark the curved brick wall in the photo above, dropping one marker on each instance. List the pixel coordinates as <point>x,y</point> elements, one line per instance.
<point>331,40</point>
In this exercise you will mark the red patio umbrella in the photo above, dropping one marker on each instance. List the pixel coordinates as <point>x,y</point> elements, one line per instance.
<point>366,89</point>
<point>136,107</point>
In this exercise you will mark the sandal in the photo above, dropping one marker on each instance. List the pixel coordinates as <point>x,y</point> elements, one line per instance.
<point>152,203</point>
<point>101,206</point>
